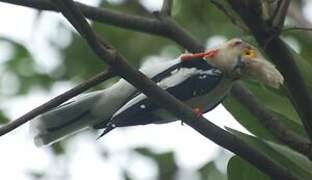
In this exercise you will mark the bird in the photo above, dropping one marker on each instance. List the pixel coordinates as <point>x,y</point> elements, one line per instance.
<point>201,80</point>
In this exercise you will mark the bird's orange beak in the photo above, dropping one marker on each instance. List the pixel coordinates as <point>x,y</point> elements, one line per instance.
<point>210,54</point>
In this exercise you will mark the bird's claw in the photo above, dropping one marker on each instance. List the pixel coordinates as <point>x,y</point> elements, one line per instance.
<point>198,112</point>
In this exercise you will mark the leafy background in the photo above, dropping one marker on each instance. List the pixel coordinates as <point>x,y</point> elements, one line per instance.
<point>66,60</point>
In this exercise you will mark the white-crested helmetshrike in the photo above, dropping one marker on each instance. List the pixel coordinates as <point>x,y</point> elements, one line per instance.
<point>200,80</point>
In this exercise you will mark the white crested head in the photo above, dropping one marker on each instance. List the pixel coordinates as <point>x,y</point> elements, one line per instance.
<point>238,59</point>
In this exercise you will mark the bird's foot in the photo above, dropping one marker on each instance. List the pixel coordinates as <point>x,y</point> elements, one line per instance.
<point>198,112</point>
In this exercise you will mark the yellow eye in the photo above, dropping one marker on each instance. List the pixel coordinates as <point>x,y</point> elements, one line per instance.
<point>250,53</point>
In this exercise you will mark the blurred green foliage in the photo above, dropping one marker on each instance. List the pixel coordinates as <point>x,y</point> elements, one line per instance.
<point>295,162</point>
<point>166,164</point>
<point>21,64</point>
<point>203,20</point>
<point>3,118</point>
<point>242,170</point>
<point>210,171</point>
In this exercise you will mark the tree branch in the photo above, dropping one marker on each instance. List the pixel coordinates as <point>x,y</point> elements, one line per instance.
<point>138,23</point>
<point>266,9</point>
<point>271,121</point>
<point>166,100</point>
<point>297,29</point>
<point>165,27</point>
<point>95,80</point>
<point>229,13</point>
<point>280,15</point>
<point>267,118</point>
<point>278,51</point>
<point>166,7</point>
<point>296,13</point>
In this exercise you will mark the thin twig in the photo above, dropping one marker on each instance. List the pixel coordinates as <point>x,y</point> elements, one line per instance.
<point>297,29</point>
<point>128,21</point>
<point>279,17</point>
<point>296,13</point>
<point>229,13</point>
<point>276,10</point>
<point>95,80</point>
<point>166,7</point>
<point>167,101</point>
<point>266,9</point>
<point>165,27</point>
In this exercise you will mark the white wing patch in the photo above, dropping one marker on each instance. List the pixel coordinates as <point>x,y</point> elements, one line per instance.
<point>152,70</point>
<point>132,102</point>
<point>180,75</point>
<point>177,76</point>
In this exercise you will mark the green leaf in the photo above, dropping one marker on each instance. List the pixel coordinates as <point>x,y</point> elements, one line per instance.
<point>22,66</point>
<point>79,60</point>
<point>298,158</point>
<point>36,175</point>
<point>166,163</point>
<point>295,162</point>
<point>278,102</point>
<point>274,100</point>
<point>245,118</point>
<point>210,171</point>
<point>58,148</point>
<point>3,118</point>
<point>239,169</point>
<point>126,175</point>
<point>305,66</point>
<point>196,17</point>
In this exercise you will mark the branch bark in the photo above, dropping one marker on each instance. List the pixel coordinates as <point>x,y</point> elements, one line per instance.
<point>296,13</point>
<point>230,14</point>
<point>166,7</point>
<point>166,100</point>
<point>280,15</point>
<point>128,21</point>
<point>266,117</point>
<point>272,122</point>
<point>165,27</point>
<point>95,80</point>
<point>279,53</point>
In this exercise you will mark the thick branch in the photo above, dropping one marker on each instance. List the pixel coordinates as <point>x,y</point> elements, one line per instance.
<point>56,101</point>
<point>267,118</point>
<point>271,121</point>
<point>179,35</point>
<point>166,100</point>
<point>278,51</point>
<point>163,26</point>
<point>148,25</point>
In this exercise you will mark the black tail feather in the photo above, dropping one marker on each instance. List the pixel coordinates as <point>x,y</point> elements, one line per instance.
<point>109,127</point>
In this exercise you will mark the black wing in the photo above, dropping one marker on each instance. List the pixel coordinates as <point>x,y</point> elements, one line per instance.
<point>138,110</point>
